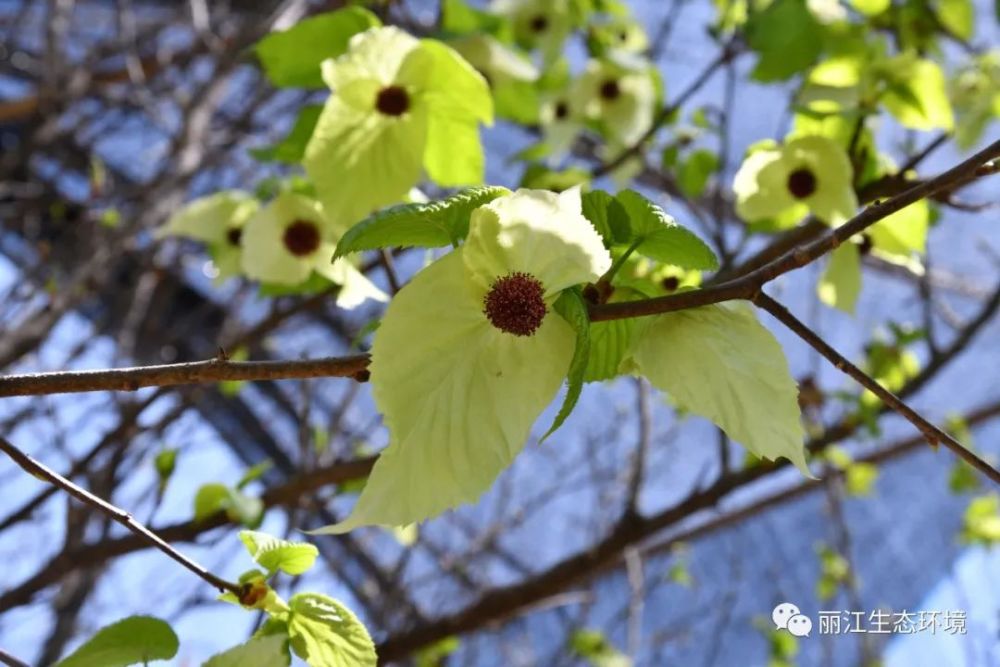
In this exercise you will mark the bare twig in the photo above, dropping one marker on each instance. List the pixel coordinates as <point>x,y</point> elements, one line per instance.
<point>37,469</point>
<point>932,433</point>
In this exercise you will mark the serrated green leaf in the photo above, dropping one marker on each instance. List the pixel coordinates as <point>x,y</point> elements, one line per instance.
<point>325,633</point>
<point>572,307</point>
<point>267,651</point>
<point>611,341</point>
<point>661,238</point>
<point>276,554</point>
<point>607,215</point>
<point>721,363</point>
<point>840,284</point>
<point>131,641</point>
<point>429,225</point>
<point>292,148</point>
<point>292,57</point>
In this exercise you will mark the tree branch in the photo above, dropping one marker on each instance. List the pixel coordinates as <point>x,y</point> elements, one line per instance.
<point>932,433</point>
<point>37,469</point>
<point>214,370</point>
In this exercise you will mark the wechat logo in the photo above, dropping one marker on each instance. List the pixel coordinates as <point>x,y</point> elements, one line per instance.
<point>787,616</point>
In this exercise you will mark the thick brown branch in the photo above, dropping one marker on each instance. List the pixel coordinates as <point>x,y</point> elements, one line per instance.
<point>215,370</point>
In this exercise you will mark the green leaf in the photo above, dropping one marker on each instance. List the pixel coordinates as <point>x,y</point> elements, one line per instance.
<point>292,57</point>
<point>213,498</point>
<point>787,39</point>
<point>871,7</point>
<point>596,650</point>
<point>661,238</point>
<point>435,654</point>
<point>573,309</point>
<point>719,362</point>
<point>131,641</point>
<point>694,172</point>
<point>904,232</point>
<point>841,282</point>
<point>267,651</point>
<point>429,225</point>
<point>916,94</point>
<point>607,215</point>
<point>292,148</point>
<point>254,473</point>
<point>325,633</point>
<point>165,464</point>
<point>958,16</point>
<point>982,521</point>
<point>276,554</point>
<point>611,341</point>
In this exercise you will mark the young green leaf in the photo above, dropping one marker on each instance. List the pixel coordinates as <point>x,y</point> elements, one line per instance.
<point>268,651</point>
<point>573,309</point>
<point>276,554</point>
<point>325,633</point>
<point>292,57</point>
<point>721,363</point>
<point>611,341</point>
<point>136,640</point>
<point>429,225</point>
<point>841,282</point>
<point>695,170</point>
<point>239,507</point>
<point>661,238</point>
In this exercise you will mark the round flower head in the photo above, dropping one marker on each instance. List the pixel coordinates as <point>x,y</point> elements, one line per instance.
<point>398,105</point>
<point>808,174</point>
<point>471,351</point>
<point>217,221</point>
<point>620,99</point>
<point>291,237</point>
<point>539,25</point>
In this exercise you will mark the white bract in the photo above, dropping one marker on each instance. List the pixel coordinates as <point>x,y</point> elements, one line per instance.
<point>291,237</point>
<point>398,105</point>
<point>807,175</point>
<point>217,221</point>
<point>471,352</point>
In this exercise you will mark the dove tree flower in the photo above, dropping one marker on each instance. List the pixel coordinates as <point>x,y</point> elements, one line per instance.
<point>810,174</point>
<point>289,238</point>
<point>539,25</point>
<point>619,96</point>
<point>471,352</point>
<point>399,105</point>
<point>216,220</point>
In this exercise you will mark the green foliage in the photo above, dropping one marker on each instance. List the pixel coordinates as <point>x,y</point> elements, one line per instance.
<point>165,463</point>
<point>658,236</point>
<point>981,524</point>
<point>835,571</point>
<point>787,39</point>
<point>429,225</point>
<point>238,506</point>
<point>136,640</point>
<point>572,307</point>
<point>274,554</point>
<point>267,651</point>
<point>695,170</point>
<point>437,653</point>
<point>325,633</point>
<point>291,58</point>
<point>593,647</point>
